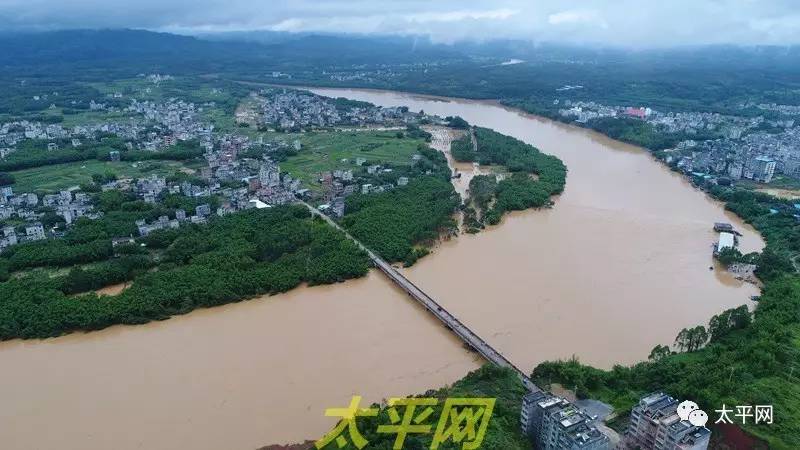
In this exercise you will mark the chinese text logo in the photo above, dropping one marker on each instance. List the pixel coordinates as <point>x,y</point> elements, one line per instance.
<point>462,420</point>
<point>758,415</point>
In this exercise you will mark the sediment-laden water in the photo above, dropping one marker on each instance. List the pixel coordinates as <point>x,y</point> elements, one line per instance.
<point>619,265</point>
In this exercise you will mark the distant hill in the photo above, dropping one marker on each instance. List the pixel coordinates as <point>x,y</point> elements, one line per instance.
<point>683,78</point>
<point>137,50</point>
<point>54,52</point>
<point>115,49</point>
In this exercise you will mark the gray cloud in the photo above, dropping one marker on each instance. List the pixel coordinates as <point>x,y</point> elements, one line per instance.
<point>617,22</point>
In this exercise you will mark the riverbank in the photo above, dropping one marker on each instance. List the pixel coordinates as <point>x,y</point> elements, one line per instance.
<point>778,307</point>
<point>543,286</point>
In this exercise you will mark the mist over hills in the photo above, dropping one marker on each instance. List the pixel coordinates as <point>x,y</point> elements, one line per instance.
<point>80,46</point>
<point>171,51</point>
<point>676,78</point>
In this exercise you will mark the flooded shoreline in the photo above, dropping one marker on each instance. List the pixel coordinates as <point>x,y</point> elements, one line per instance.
<point>620,264</point>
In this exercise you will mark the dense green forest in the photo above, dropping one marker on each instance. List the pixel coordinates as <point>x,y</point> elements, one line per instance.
<point>489,381</point>
<point>232,258</point>
<point>399,224</point>
<point>534,177</point>
<point>736,359</point>
<point>396,222</point>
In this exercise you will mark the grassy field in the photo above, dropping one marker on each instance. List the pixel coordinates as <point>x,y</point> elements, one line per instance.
<point>778,181</point>
<point>781,186</point>
<point>139,88</point>
<point>223,122</point>
<point>323,151</point>
<point>61,176</point>
<point>70,120</point>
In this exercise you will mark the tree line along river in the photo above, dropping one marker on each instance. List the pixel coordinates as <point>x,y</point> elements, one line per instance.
<point>620,264</point>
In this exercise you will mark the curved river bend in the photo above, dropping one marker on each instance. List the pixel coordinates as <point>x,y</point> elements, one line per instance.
<point>618,266</point>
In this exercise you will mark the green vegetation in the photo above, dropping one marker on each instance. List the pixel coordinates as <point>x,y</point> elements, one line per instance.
<point>746,361</point>
<point>181,151</point>
<point>36,168</point>
<point>743,363</point>
<point>456,122</point>
<point>489,381</point>
<point>325,151</point>
<point>90,240</point>
<point>482,189</point>
<point>61,176</point>
<point>517,156</point>
<point>104,274</point>
<point>634,131</point>
<point>58,252</point>
<point>34,153</point>
<point>392,223</point>
<point>6,179</point>
<point>415,132</point>
<point>535,176</point>
<point>225,95</point>
<point>731,255</point>
<point>641,133</point>
<point>234,257</point>
<point>462,149</point>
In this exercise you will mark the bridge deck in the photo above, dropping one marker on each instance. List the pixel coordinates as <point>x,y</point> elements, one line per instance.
<point>449,320</point>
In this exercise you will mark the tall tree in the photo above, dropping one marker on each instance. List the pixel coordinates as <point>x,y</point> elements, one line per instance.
<point>658,352</point>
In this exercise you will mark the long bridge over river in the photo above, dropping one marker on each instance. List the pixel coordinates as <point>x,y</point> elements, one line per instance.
<point>450,321</point>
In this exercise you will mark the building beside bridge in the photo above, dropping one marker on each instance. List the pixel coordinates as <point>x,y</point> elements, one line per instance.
<point>552,423</point>
<point>655,425</point>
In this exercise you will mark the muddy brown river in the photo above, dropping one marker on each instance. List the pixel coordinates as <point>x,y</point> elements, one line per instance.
<point>619,265</point>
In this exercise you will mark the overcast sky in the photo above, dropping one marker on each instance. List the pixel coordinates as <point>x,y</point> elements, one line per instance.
<point>638,23</point>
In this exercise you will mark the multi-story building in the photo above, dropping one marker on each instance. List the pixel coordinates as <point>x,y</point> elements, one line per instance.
<point>8,237</point>
<point>655,425</point>
<point>554,423</point>
<point>764,169</point>
<point>34,231</point>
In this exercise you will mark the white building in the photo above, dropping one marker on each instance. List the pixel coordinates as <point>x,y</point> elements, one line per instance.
<point>726,240</point>
<point>655,425</point>
<point>764,169</point>
<point>34,231</point>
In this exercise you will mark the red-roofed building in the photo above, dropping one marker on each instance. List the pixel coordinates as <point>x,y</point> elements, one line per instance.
<point>635,112</point>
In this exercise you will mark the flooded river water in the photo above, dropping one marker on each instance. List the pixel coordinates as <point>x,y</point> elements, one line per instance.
<point>619,265</point>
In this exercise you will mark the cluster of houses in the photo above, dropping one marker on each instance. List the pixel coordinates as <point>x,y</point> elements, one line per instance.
<point>379,72</point>
<point>235,182</point>
<point>26,207</point>
<point>178,120</point>
<point>33,231</point>
<point>757,156</point>
<point>743,150</point>
<point>150,126</point>
<point>202,212</point>
<point>12,133</point>
<point>341,183</point>
<point>266,187</point>
<point>289,109</point>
